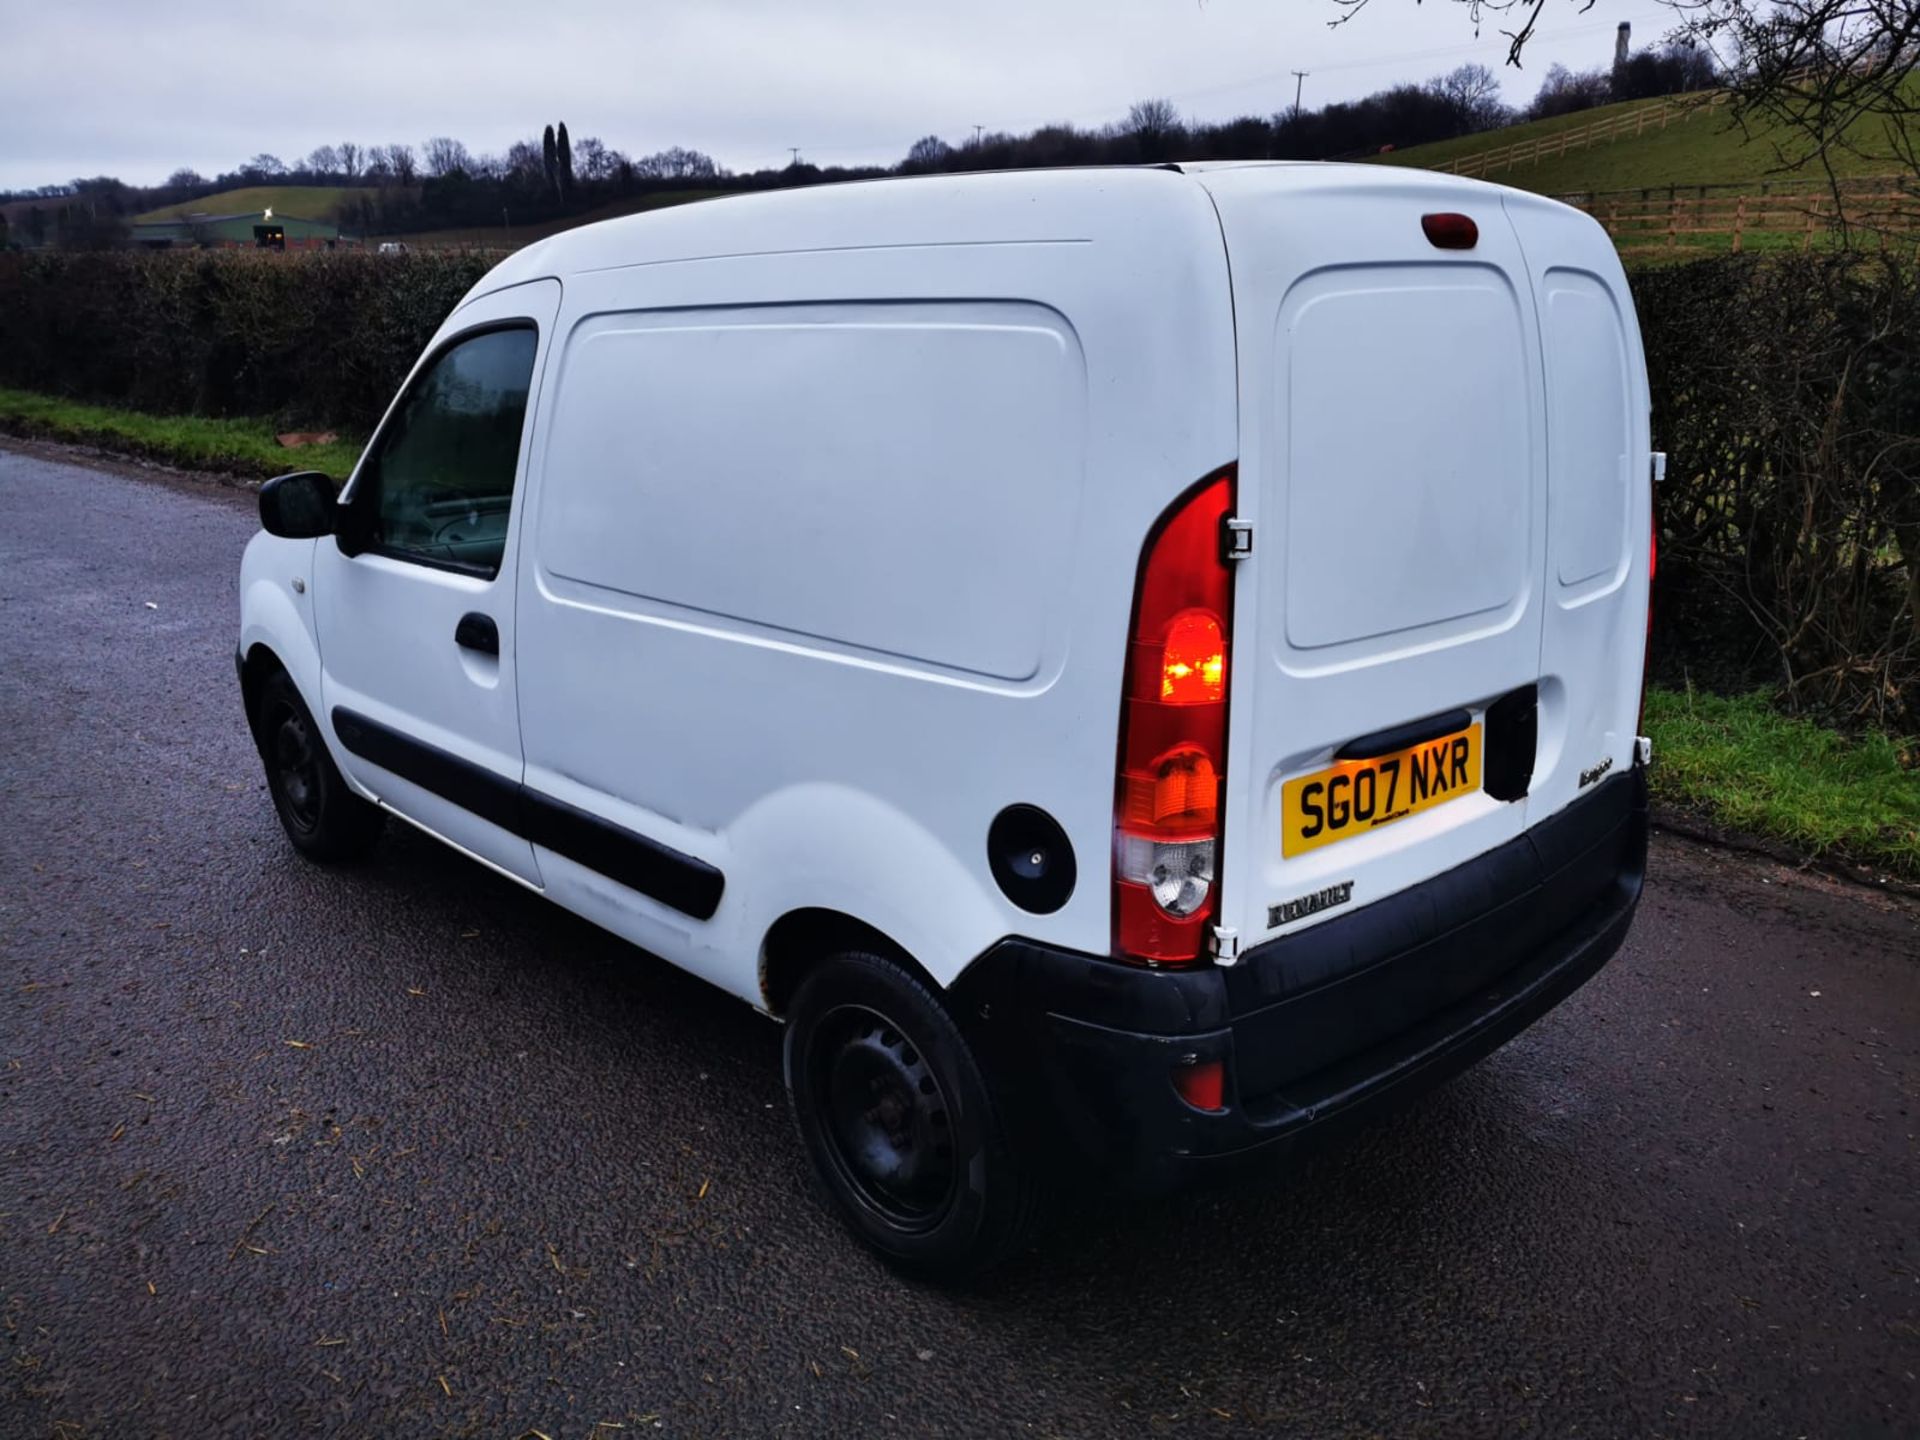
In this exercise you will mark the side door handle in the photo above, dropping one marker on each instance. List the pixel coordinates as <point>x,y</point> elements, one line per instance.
<point>477,632</point>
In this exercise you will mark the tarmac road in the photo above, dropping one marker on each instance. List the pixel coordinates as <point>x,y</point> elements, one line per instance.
<point>403,1150</point>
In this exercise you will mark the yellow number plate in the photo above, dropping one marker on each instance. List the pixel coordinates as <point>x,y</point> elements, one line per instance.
<point>1357,796</point>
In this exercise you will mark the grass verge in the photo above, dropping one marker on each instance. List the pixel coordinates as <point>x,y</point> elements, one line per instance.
<point>1753,769</point>
<point>240,447</point>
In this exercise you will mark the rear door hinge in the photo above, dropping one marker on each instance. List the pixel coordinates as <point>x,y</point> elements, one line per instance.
<point>1236,538</point>
<point>1659,466</point>
<point>1226,945</point>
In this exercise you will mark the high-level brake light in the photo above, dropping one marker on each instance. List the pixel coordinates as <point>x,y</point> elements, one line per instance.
<point>1449,230</point>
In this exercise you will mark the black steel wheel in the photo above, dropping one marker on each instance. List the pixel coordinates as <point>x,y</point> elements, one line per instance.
<point>888,1128</point>
<point>295,766</point>
<point>900,1123</point>
<point>323,818</point>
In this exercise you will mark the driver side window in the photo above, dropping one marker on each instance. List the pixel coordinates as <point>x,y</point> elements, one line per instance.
<point>440,481</point>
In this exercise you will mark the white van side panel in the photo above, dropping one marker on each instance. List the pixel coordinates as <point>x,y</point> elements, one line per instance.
<point>784,673</point>
<point>881,451</point>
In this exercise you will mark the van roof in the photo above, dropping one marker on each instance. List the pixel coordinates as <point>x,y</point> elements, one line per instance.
<point>981,207</point>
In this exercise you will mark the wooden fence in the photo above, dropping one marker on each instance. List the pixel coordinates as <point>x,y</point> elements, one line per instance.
<point>1774,216</point>
<point>1654,115</point>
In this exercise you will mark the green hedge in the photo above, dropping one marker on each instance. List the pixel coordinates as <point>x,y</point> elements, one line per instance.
<point>1786,392</point>
<point>318,339</point>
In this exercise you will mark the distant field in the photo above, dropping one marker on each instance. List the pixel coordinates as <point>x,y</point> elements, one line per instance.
<point>303,202</point>
<point>1707,148</point>
<point>502,237</point>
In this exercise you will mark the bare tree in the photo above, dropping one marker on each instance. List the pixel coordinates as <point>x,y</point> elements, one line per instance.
<point>351,158</point>
<point>263,167</point>
<point>526,163</point>
<point>1154,126</point>
<point>677,164</point>
<point>442,155</point>
<point>1526,15</point>
<point>1152,119</point>
<point>400,163</point>
<point>1473,93</point>
<point>1563,91</point>
<point>323,162</point>
<point>590,155</point>
<point>929,152</point>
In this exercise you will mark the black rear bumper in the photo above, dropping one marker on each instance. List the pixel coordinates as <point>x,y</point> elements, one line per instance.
<point>1319,1029</point>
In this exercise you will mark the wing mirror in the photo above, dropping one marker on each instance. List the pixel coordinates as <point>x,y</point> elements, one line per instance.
<point>300,506</point>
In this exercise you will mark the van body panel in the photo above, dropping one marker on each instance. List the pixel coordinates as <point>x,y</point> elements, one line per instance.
<point>1600,503</point>
<point>386,629</point>
<point>1414,527</point>
<point>1392,462</point>
<point>650,406</point>
<point>736,638</point>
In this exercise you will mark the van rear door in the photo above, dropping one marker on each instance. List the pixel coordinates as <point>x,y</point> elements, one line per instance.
<point>1388,624</point>
<point>1599,502</point>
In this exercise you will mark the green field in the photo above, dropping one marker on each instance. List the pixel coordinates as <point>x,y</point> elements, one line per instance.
<point>1706,148</point>
<point>503,237</point>
<point>318,202</point>
<point>304,202</point>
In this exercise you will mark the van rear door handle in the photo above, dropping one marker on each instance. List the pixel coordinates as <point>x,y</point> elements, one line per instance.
<point>477,632</point>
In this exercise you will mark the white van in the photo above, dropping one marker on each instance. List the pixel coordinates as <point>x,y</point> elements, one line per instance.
<point>1135,667</point>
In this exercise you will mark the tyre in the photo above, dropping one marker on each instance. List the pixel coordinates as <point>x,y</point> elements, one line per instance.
<point>900,1124</point>
<point>325,820</point>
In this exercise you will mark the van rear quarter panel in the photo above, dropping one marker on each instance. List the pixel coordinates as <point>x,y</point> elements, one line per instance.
<point>832,548</point>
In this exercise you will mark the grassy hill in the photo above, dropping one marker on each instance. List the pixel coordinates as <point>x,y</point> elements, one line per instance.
<point>305,202</point>
<point>1705,148</point>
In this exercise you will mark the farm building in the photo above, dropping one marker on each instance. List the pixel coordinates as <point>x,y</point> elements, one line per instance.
<point>253,229</point>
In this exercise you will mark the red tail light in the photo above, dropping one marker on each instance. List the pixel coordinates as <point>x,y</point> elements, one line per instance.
<point>1173,735</point>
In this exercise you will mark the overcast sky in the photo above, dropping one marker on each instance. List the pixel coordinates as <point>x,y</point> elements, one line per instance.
<point>137,88</point>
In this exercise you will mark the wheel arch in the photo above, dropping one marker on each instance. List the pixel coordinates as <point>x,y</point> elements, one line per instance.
<point>801,938</point>
<point>258,663</point>
<point>276,626</point>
